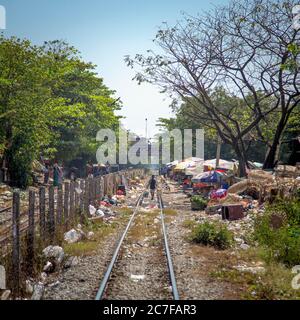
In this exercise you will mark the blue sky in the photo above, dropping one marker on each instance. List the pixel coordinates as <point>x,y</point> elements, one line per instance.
<point>104,32</point>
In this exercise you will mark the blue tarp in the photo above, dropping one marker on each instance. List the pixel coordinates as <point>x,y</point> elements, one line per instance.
<point>208,177</point>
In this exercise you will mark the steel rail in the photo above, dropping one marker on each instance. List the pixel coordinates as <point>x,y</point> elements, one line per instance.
<point>108,272</point>
<point>167,249</point>
<point>107,275</point>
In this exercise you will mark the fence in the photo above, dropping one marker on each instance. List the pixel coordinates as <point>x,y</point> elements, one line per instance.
<point>50,211</point>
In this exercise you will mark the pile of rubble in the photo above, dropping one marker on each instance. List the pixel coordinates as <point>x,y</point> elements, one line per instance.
<point>265,186</point>
<point>246,199</point>
<point>252,193</point>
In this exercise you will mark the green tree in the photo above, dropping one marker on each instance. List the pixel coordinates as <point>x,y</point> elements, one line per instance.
<point>247,47</point>
<point>52,103</point>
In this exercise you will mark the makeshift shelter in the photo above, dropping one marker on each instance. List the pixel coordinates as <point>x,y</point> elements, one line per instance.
<point>187,167</point>
<point>189,163</point>
<point>172,164</point>
<point>208,177</point>
<point>223,164</point>
<point>195,167</point>
<point>181,166</point>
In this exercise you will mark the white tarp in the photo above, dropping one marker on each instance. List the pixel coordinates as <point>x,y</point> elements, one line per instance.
<point>224,164</point>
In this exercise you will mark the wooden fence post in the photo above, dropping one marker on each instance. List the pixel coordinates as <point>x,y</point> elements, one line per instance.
<point>42,193</point>
<point>81,200</point>
<point>16,244</point>
<point>77,196</point>
<point>66,204</point>
<point>59,208</point>
<point>95,189</point>
<point>90,191</point>
<point>72,200</point>
<point>98,181</point>
<point>105,186</point>
<point>101,188</point>
<point>51,218</point>
<point>86,197</point>
<point>30,233</point>
<point>114,184</point>
<point>81,196</point>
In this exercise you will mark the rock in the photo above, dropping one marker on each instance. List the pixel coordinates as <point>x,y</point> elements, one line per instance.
<point>55,284</point>
<point>29,287</point>
<point>79,227</point>
<point>90,235</point>
<point>137,277</point>
<point>44,277</point>
<point>5,295</point>
<point>73,236</point>
<point>107,211</point>
<point>54,254</point>
<point>38,292</point>
<point>78,190</point>
<point>2,278</point>
<point>244,246</point>
<point>170,289</point>
<point>238,240</point>
<point>92,210</point>
<point>140,244</point>
<point>253,270</point>
<point>71,262</point>
<point>96,219</point>
<point>49,267</point>
<point>211,210</point>
<point>100,213</point>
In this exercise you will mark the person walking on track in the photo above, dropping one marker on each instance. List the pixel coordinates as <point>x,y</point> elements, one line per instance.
<point>152,184</point>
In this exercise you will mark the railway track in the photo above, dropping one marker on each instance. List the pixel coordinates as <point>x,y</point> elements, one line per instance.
<point>116,266</point>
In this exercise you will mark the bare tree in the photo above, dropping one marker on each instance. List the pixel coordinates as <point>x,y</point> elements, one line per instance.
<point>248,47</point>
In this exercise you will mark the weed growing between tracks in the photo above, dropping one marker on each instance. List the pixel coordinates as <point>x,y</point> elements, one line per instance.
<point>144,226</point>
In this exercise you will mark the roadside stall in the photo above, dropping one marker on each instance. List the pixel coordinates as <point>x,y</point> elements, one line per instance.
<point>223,165</point>
<point>179,172</point>
<point>187,169</point>
<point>205,182</point>
<point>170,168</point>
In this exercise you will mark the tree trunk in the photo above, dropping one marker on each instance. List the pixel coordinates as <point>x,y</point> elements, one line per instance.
<point>243,162</point>
<point>218,154</point>
<point>273,151</point>
<point>242,166</point>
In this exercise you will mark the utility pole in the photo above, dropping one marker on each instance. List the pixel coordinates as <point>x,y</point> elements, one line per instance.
<point>146,136</point>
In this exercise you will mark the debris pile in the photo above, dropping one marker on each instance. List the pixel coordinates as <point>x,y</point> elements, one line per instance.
<point>74,235</point>
<point>238,204</point>
<point>54,256</point>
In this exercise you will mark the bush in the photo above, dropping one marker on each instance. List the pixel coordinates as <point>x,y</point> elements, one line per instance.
<point>198,202</point>
<point>281,242</point>
<point>212,234</point>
